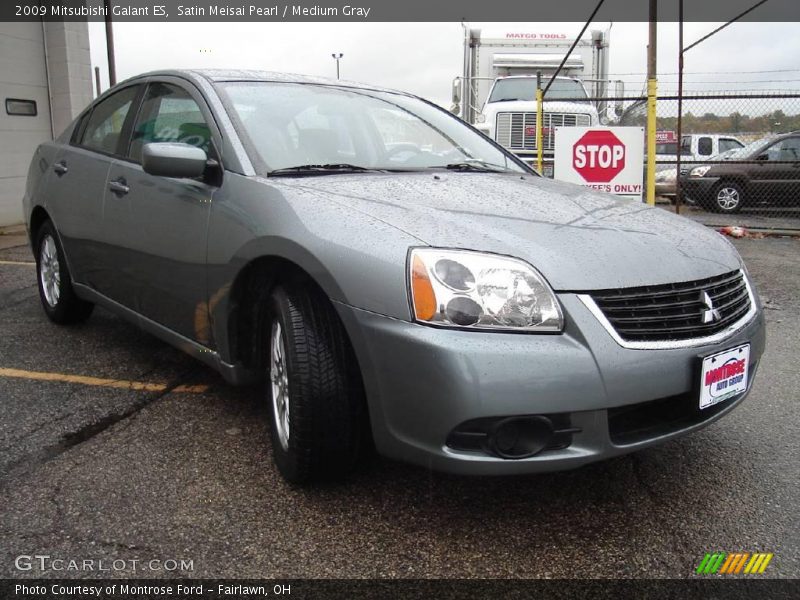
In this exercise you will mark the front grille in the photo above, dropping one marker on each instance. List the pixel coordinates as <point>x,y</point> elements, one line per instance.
<point>517,130</point>
<point>676,311</point>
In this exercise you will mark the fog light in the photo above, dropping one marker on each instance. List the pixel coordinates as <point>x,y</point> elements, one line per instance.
<point>520,437</point>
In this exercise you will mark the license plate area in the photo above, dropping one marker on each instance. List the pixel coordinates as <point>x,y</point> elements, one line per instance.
<point>724,375</point>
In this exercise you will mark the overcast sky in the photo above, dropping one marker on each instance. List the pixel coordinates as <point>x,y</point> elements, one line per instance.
<point>423,58</point>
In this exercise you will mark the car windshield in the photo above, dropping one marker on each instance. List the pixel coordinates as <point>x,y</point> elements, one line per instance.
<point>318,129</point>
<point>524,88</point>
<point>751,149</point>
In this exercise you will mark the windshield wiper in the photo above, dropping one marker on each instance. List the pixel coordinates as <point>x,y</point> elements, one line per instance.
<point>509,100</point>
<point>473,165</point>
<point>322,169</point>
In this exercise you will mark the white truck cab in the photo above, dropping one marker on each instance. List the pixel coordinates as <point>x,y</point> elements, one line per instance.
<point>496,91</point>
<point>509,114</point>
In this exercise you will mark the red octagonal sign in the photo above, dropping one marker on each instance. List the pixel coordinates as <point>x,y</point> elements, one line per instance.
<point>598,156</point>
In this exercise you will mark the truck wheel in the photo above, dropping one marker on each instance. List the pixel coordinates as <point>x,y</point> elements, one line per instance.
<point>728,198</point>
<point>316,402</point>
<point>59,301</point>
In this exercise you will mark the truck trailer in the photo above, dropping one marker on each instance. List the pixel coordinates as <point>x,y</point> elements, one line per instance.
<point>496,91</point>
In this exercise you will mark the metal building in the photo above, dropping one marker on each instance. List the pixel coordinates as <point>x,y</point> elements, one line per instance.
<point>45,80</point>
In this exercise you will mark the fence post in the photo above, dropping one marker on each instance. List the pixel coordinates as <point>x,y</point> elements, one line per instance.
<point>651,142</point>
<point>651,103</point>
<point>539,125</point>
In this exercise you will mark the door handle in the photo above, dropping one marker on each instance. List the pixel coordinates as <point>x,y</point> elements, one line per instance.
<point>119,187</point>
<point>60,168</point>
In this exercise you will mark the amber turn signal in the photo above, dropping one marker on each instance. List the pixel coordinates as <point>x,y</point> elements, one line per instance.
<point>422,291</point>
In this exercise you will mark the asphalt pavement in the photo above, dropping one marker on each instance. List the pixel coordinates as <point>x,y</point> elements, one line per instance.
<point>107,455</point>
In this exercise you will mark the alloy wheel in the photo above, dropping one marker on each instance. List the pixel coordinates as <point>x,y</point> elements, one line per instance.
<point>49,271</point>
<point>728,198</point>
<point>279,379</point>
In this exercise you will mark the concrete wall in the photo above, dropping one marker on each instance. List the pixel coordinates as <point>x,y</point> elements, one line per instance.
<point>58,80</point>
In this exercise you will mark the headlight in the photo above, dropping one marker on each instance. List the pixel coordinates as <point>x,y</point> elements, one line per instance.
<point>480,118</point>
<point>463,288</point>
<point>699,171</point>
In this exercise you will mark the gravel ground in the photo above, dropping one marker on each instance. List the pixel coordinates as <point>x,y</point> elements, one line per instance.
<point>98,473</point>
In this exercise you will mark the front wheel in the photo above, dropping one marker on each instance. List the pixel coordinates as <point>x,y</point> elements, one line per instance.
<point>728,198</point>
<point>58,297</point>
<point>316,402</point>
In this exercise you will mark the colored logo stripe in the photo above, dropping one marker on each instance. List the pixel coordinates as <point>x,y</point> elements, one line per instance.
<point>734,563</point>
<point>758,563</point>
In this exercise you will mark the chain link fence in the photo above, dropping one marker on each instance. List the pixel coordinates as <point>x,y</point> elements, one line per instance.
<point>737,161</point>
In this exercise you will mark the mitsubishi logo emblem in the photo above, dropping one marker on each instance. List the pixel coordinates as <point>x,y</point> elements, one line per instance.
<point>710,314</point>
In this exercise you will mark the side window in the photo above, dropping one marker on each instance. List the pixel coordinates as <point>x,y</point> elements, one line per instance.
<point>169,114</point>
<point>105,123</point>
<point>705,146</point>
<point>726,144</point>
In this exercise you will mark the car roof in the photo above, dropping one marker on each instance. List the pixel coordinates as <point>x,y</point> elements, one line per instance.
<point>216,76</point>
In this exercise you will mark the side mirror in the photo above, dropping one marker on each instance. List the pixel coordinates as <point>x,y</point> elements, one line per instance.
<point>764,156</point>
<point>173,159</point>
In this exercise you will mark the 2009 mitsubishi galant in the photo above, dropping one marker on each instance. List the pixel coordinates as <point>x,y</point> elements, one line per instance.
<point>393,276</point>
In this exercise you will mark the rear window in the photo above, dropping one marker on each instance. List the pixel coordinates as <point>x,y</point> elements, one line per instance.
<point>670,148</point>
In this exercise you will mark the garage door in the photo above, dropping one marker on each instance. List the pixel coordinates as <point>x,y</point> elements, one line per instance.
<point>23,91</point>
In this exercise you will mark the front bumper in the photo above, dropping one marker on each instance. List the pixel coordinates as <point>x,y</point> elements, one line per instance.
<point>422,382</point>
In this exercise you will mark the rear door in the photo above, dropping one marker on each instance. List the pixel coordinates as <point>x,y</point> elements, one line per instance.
<point>165,219</point>
<point>76,189</point>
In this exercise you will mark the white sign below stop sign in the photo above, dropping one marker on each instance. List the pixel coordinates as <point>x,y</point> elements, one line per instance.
<point>608,159</point>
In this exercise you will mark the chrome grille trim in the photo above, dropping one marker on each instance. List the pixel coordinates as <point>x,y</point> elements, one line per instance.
<point>719,336</point>
<point>511,128</point>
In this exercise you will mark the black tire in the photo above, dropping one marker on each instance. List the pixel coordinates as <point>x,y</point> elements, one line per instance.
<point>59,301</point>
<point>326,421</point>
<point>728,198</point>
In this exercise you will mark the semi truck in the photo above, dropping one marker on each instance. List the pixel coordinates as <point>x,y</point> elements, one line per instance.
<point>496,91</point>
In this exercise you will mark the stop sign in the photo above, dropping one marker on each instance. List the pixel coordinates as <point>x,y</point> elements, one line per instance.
<point>598,156</point>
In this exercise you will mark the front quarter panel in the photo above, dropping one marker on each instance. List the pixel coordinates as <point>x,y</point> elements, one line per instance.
<point>357,259</point>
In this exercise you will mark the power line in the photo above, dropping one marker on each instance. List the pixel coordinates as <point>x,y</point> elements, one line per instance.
<point>612,75</point>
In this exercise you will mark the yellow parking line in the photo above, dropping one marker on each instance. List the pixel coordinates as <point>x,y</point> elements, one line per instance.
<point>97,381</point>
<point>17,262</point>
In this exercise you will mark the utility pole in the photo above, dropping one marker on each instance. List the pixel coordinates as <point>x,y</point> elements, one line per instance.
<point>652,89</point>
<point>337,58</point>
<point>97,80</point>
<point>112,67</point>
<point>678,190</point>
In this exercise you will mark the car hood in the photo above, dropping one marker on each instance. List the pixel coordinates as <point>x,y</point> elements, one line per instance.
<point>577,238</point>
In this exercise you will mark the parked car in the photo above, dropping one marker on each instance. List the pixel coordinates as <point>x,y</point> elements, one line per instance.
<point>392,276</point>
<point>694,146</point>
<point>666,179</point>
<point>702,145</point>
<point>771,176</point>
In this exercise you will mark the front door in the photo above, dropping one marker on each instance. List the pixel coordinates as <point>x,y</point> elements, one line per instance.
<point>166,218</point>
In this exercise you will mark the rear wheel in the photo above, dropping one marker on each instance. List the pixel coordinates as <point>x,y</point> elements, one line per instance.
<point>55,285</point>
<point>316,402</point>
<point>728,198</point>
